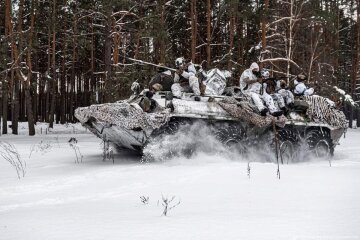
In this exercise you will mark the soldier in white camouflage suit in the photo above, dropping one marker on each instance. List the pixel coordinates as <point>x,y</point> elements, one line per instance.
<point>300,88</point>
<point>283,90</point>
<point>270,88</point>
<point>251,85</point>
<point>185,79</point>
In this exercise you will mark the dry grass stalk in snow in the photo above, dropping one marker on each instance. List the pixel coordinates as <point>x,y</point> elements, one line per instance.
<point>144,200</point>
<point>73,144</point>
<point>167,204</point>
<point>10,154</point>
<point>43,147</point>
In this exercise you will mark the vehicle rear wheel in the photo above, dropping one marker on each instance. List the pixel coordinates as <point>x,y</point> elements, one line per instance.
<point>233,138</point>
<point>288,141</point>
<point>320,143</point>
<point>287,151</point>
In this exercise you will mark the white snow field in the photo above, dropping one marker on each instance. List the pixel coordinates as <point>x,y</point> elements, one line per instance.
<point>61,199</point>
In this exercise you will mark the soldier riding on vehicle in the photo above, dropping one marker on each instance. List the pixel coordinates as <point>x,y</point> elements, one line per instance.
<point>251,85</point>
<point>300,88</point>
<point>185,79</point>
<point>163,78</point>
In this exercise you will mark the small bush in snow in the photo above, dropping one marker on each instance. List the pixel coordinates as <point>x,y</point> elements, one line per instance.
<point>167,204</point>
<point>73,144</point>
<point>144,200</point>
<point>10,154</point>
<point>248,169</point>
<point>43,147</point>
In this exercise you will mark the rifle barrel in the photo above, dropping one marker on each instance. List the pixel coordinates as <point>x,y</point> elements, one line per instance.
<point>151,64</point>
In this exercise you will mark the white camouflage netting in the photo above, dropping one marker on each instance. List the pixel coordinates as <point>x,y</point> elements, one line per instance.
<point>122,114</point>
<point>131,116</point>
<point>321,111</point>
<point>244,111</point>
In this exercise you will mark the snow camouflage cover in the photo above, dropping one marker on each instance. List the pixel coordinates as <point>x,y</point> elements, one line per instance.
<point>123,114</point>
<point>321,111</point>
<point>244,111</point>
<point>131,116</point>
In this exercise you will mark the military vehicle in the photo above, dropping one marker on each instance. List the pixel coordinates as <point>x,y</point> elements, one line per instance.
<point>231,118</point>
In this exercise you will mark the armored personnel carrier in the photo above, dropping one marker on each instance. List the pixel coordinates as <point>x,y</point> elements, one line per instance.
<point>231,118</point>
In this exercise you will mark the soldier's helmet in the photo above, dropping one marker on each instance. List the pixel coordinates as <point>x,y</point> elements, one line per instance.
<point>265,73</point>
<point>301,77</point>
<point>179,62</point>
<point>283,84</point>
<point>157,87</point>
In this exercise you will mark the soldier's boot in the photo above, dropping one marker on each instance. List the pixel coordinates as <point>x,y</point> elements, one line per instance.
<point>264,112</point>
<point>171,106</point>
<point>202,89</point>
<point>285,110</point>
<point>277,113</point>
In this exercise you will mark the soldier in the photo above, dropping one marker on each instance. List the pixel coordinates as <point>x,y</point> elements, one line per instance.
<point>135,88</point>
<point>300,87</point>
<point>269,87</point>
<point>162,81</point>
<point>251,85</point>
<point>287,95</point>
<point>185,79</point>
<point>147,103</point>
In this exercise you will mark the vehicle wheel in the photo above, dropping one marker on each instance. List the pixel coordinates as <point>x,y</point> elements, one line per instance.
<point>233,138</point>
<point>288,141</point>
<point>170,128</point>
<point>320,143</point>
<point>287,151</point>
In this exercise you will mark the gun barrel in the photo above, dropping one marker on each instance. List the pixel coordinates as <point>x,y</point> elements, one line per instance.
<point>151,64</point>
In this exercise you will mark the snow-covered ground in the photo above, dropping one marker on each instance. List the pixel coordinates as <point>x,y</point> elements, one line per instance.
<point>59,199</point>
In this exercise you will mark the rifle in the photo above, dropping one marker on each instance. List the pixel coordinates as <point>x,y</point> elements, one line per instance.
<point>141,62</point>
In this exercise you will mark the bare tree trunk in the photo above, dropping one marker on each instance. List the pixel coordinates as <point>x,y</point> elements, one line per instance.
<point>54,77</point>
<point>240,37</point>
<point>107,60</point>
<point>73,76</point>
<point>92,57</point>
<point>314,42</point>
<point>291,25</point>
<point>47,84</point>
<point>5,99</point>
<point>263,26</point>
<point>337,41</point>
<point>27,83</point>
<point>208,32</point>
<point>231,33</point>
<point>193,29</point>
<point>62,91</point>
<point>15,74</point>
<point>5,83</point>
<point>357,78</point>
<point>162,40</point>
<point>116,40</point>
